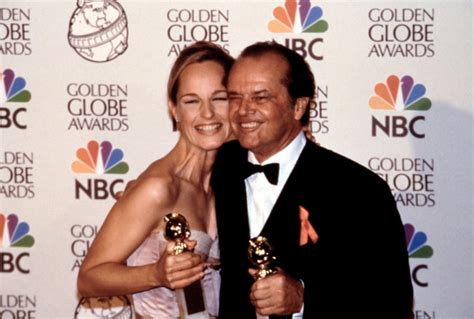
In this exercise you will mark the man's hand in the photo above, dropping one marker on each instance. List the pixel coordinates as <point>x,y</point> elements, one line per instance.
<point>277,294</point>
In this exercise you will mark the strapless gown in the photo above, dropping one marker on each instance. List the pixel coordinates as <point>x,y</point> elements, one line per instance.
<point>161,303</point>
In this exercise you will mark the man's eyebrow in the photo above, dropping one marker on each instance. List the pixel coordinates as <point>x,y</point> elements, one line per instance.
<point>253,93</point>
<point>219,91</point>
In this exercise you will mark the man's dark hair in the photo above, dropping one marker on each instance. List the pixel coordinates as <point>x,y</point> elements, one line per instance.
<point>299,79</point>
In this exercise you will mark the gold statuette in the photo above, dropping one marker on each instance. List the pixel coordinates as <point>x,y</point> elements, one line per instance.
<point>260,254</point>
<point>177,230</point>
<point>190,299</point>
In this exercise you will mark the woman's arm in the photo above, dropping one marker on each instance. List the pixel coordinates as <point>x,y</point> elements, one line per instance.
<point>104,271</point>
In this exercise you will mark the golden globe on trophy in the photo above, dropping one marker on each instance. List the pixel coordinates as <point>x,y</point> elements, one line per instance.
<point>260,254</point>
<point>177,230</point>
<point>190,299</point>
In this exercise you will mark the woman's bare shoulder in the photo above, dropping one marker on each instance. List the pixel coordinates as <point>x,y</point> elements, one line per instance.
<point>156,174</point>
<point>155,186</point>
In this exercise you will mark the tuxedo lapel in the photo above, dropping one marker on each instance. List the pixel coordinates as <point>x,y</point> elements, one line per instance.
<point>241,205</point>
<point>232,221</point>
<point>238,197</point>
<point>284,217</point>
<point>283,225</point>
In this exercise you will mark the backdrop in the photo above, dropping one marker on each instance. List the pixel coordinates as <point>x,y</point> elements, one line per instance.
<point>83,110</point>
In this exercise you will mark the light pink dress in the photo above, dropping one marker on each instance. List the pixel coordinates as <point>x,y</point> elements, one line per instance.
<point>161,302</point>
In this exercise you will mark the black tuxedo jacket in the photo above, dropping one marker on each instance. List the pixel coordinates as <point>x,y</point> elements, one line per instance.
<point>358,268</point>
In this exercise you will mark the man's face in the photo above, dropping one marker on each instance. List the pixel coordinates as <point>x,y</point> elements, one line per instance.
<point>261,112</point>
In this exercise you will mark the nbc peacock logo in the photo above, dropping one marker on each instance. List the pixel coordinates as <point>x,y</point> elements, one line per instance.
<point>13,90</point>
<point>400,94</point>
<point>416,243</point>
<point>297,18</point>
<point>98,159</point>
<point>14,233</point>
<point>417,250</point>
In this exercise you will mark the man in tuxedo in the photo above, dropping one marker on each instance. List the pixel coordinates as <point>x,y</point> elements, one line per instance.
<point>333,224</point>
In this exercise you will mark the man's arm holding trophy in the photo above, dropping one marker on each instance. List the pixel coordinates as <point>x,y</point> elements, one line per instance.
<point>274,292</point>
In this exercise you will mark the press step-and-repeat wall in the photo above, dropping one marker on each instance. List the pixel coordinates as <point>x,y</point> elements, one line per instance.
<point>394,92</point>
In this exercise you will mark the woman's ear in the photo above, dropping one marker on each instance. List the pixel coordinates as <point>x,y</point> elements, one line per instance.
<point>172,109</point>
<point>300,107</point>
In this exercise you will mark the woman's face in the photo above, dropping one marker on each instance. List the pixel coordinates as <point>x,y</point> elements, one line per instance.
<point>202,108</point>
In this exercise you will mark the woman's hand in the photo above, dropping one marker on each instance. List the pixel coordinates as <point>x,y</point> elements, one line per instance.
<point>178,271</point>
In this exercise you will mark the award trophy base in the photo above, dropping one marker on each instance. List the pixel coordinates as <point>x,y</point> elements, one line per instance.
<point>191,302</point>
<point>191,298</point>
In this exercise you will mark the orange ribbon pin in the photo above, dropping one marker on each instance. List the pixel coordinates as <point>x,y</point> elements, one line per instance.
<point>307,230</point>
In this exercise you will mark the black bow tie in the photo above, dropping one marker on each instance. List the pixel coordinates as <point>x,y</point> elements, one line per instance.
<point>270,171</point>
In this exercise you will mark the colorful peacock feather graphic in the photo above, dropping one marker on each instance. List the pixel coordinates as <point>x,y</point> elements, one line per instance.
<point>416,243</point>
<point>14,233</point>
<point>297,18</point>
<point>400,94</point>
<point>99,159</point>
<point>14,88</point>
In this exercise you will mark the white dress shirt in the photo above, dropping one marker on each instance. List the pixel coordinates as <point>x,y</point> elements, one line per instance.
<point>261,195</point>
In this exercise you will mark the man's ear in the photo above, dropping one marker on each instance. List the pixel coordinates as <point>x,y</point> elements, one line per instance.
<point>300,107</point>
